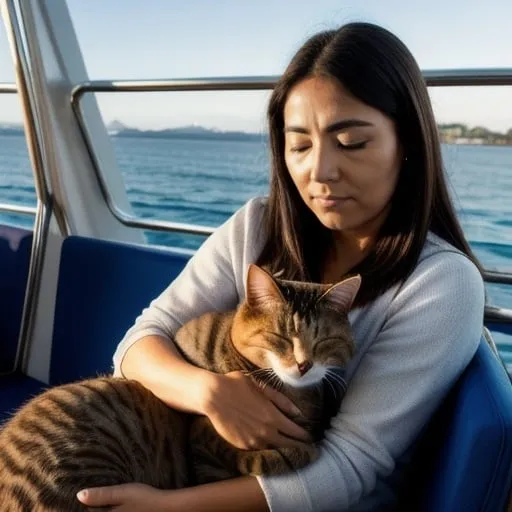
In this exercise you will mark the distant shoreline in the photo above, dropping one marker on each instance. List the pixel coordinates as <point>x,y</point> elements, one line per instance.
<point>449,134</point>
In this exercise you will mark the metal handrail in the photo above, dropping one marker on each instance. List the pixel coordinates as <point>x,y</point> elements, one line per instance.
<point>235,83</point>
<point>35,141</point>
<point>498,314</point>
<point>433,78</point>
<point>8,88</point>
<point>11,88</point>
<point>492,276</point>
<point>14,208</point>
<point>162,225</point>
<point>483,77</point>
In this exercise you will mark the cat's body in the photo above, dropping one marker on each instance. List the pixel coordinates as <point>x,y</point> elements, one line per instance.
<point>107,431</point>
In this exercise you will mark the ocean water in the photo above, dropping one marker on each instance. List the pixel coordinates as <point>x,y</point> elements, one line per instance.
<point>204,182</point>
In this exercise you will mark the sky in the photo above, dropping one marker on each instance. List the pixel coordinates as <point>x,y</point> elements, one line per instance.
<point>134,39</point>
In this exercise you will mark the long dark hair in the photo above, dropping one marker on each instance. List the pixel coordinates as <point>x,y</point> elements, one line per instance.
<point>378,69</point>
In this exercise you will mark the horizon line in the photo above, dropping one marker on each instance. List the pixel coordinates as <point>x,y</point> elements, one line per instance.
<point>19,124</point>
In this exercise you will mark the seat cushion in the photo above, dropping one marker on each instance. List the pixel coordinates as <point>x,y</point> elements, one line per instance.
<point>15,247</point>
<point>464,459</point>
<point>103,286</point>
<point>15,390</point>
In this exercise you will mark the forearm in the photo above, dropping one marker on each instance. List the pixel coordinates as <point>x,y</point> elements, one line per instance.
<point>242,493</point>
<point>156,364</point>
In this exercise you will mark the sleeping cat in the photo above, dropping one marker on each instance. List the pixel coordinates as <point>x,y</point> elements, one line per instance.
<point>103,431</point>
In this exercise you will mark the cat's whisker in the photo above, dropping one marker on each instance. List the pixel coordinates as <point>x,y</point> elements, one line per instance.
<point>333,389</point>
<point>339,386</point>
<point>262,376</point>
<point>257,372</point>
<point>338,372</point>
<point>274,381</point>
<point>263,383</point>
<point>268,379</point>
<point>337,379</point>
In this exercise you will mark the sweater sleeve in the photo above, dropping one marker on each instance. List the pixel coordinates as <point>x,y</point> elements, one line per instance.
<point>212,280</point>
<point>432,330</point>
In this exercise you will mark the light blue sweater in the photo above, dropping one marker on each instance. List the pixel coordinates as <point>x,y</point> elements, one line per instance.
<point>412,344</point>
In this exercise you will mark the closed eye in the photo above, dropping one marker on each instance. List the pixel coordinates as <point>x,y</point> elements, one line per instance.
<point>281,337</point>
<point>355,145</point>
<point>323,340</point>
<point>280,341</point>
<point>299,149</point>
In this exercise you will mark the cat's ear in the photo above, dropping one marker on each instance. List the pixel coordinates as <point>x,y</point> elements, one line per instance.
<point>341,295</point>
<point>261,289</point>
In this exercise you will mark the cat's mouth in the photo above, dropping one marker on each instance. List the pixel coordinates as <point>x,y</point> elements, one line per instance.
<point>298,375</point>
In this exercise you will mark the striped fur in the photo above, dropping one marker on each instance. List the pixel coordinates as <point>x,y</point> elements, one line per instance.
<point>98,432</point>
<point>107,431</point>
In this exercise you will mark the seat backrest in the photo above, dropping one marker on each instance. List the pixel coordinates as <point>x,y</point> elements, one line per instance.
<point>15,248</point>
<point>464,459</point>
<point>102,288</point>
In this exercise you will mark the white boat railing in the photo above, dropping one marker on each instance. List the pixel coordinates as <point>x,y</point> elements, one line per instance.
<point>8,88</point>
<point>14,208</point>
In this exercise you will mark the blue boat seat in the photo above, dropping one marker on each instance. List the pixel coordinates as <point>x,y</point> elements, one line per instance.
<point>464,459</point>
<point>15,247</point>
<point>15,390</point>
<point>102,287</point>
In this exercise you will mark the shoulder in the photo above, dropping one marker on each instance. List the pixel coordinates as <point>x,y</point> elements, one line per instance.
<point>441,259</point>
<point>244,222</point>
<point>253,210</point>
<point>445,275</point>
<point>237,242</point>
<point>246,226</point>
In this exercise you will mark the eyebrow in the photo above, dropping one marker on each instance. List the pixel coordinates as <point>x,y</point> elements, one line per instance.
<point>334,127</point>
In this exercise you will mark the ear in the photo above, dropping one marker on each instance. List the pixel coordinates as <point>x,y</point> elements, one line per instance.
<point>261,289</point>
<point>341,295</point>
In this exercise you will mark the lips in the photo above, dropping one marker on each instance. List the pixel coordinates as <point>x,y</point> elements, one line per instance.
<point>330,201</point>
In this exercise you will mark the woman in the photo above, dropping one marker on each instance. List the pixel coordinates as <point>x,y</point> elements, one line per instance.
<point>357,186</point>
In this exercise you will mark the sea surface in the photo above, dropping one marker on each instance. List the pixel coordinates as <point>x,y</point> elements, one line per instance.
<point>204,182</point>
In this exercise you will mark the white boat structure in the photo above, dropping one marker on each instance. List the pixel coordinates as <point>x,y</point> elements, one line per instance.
<point>74,283</point>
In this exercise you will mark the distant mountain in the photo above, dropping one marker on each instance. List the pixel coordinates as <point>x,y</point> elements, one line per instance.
<point>116,126</point>
<point>118,129</point>
<point>11,129</point>
<point>188,132</point>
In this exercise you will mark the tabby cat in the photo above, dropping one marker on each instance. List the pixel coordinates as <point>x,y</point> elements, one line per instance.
<point>293,336</point>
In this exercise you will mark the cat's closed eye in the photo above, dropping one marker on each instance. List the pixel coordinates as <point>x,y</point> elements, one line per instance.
<point>280,342</point>
<point>321,343</point>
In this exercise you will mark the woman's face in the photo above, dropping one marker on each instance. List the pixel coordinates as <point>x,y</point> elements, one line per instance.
<point>343,155</point>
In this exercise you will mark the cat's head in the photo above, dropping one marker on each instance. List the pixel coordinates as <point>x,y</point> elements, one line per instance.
<point>297,329</point>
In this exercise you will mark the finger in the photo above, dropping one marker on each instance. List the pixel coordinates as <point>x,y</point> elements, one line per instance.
<point>281,441</point>
<point>289,428</point>
<point>281,402</point>
<point>103,496</point>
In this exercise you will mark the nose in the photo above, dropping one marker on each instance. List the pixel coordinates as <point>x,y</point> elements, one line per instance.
<point>304,367</point>
<point>324,165</point>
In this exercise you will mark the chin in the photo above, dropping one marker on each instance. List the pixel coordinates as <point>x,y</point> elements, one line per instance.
<point>333,222</point>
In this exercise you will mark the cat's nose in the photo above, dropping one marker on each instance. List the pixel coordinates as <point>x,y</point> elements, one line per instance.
<point>304,366</point>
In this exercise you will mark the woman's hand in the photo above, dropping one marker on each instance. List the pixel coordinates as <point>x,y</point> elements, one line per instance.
<point>249,417</point>
<point>126,498</point>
